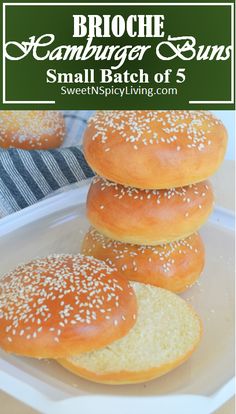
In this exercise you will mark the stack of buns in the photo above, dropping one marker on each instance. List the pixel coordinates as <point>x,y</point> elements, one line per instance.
<point>151,195</point>
<point>111,314</point>
<point>146,205</point>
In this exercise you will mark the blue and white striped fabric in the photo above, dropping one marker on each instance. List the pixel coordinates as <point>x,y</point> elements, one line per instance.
<point>28,176</point>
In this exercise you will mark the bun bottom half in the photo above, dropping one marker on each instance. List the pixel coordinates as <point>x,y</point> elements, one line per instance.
<point>124,377</point>
<point>165,335</point>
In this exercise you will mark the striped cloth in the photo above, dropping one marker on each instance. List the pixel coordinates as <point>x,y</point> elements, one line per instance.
<point>28,176</point>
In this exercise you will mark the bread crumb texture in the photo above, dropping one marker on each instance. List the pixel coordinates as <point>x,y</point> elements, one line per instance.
<point>166,330</point>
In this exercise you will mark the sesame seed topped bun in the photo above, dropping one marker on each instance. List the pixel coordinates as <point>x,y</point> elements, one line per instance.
<point>62,305</point>
<point>165,335</point>
<point>174,266</point>
<point>147,217</point>
<point>31,129</point>
<point>155,149</point>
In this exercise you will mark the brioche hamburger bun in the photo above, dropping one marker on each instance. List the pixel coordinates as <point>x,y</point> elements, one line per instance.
<point>165,335</point>
<point>31,130</point>
<point>174,266</point>
<point>62,305</point>
<point>148,217</point>
<point>155,149</point>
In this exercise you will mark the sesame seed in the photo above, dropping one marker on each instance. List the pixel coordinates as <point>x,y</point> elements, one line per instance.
<point>123,253</point>
<point>32,127</point>
<point>151,127</point>
<point>58,288</point>
<point>185,194</point>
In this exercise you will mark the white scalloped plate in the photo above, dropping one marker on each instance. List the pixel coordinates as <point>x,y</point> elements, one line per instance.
<point>200,386</point>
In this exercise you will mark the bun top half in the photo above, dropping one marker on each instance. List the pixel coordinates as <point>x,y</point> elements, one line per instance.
<point>62,305</point>
<point>155,149</point>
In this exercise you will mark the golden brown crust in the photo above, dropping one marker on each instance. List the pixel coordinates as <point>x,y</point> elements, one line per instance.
<point>31,129</point>
<point>155,149</point>
<point>148,217</point>
<point>63,305</point>
<point>173,266</point>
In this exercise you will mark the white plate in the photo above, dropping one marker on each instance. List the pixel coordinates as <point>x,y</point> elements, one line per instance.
<point>199,386</point>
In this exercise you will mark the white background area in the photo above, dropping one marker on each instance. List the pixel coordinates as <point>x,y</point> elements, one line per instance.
<point>228,119</point>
